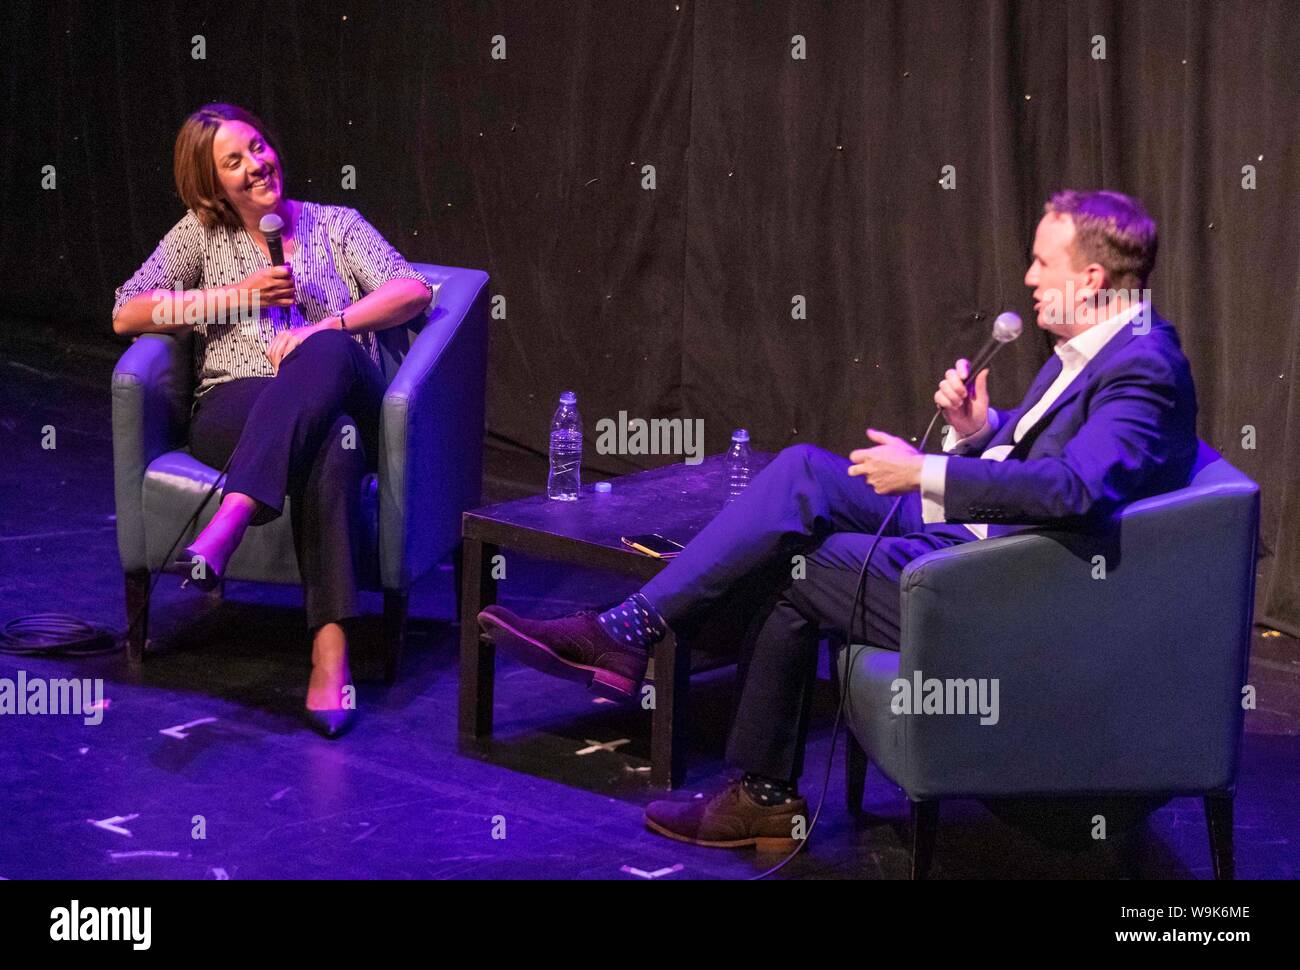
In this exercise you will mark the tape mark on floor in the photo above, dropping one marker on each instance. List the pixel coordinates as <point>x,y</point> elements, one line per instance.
<point>595,746</point>
<point>657,874</point>
<point>112,824</point>
<point>149,853</point>
<point>178,731</point>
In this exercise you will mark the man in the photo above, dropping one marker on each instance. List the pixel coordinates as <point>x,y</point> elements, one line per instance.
<point>1110,418</point>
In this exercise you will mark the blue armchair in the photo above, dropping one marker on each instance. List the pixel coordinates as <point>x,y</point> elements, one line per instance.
<point>430,459</point>
<point>1119,676</point>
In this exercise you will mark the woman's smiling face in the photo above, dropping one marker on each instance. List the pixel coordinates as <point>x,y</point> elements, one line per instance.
<point>247,167</point>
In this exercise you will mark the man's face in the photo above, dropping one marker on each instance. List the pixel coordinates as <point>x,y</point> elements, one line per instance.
<point>247,167</point>
<point>1060,291</point>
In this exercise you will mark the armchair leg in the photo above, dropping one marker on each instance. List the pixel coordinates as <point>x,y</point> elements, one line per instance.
<point>1218,819</point>
<point>458,580</point>
<point>855,773</point>
<point>137,608</point>
<point>925,826</point>
<point>395,610</point>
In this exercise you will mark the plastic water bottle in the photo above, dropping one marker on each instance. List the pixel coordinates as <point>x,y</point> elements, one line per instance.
<point>739,463</point>
<point>566,450</point>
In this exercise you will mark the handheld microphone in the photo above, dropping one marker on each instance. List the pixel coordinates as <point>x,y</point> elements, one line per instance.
<point>271,227</point>
<point>1006,328</point>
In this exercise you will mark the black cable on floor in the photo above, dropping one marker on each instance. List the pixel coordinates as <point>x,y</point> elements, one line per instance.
<point>55,634</point>
<point>62,635</point>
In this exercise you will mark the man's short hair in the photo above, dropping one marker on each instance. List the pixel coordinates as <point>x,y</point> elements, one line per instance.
<point>1111,229</point>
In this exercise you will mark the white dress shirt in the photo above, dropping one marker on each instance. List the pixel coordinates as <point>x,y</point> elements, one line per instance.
<point>1075,354</point>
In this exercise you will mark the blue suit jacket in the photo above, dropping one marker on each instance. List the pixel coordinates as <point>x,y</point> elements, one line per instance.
<point>1124,429</point>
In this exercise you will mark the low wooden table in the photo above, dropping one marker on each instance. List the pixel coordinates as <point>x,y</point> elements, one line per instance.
<point>676,501</point>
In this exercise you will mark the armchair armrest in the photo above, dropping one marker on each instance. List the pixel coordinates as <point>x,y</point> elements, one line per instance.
<point>431,450</point>
<point>151,397</point>
<point>1116,674</point>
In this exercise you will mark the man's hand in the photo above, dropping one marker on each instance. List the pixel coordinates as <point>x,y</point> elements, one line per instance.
<point>283,343</point>
<point>893,467</point>
<point>966,411</point>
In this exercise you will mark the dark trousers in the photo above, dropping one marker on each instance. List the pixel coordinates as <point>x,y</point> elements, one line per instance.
<point>312,433</point>
<point>805,520</point>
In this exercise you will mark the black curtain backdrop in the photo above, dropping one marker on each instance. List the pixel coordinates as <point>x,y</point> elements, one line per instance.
<point>775,178</point>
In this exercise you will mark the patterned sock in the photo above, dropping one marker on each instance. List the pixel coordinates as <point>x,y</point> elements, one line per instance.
<point>634,621</point>
<point>767,791</point>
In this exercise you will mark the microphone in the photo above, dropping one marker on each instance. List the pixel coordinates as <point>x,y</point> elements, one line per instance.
<point>271,227</point>
<point>1006,328</point>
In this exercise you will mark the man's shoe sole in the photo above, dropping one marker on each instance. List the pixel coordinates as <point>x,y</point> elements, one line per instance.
<point>539,656</point>
<point>760,843</point>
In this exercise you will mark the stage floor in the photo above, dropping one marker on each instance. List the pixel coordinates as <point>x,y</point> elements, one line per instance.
<point>397,798</point>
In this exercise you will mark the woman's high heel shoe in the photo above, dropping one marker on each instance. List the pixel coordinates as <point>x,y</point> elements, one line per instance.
<point>331,724</point>
<point>208,578</point>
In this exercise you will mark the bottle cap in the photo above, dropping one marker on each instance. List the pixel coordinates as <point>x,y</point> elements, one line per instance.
<point>603,487</point>
<point>740,434</point>
<point>568,397</point>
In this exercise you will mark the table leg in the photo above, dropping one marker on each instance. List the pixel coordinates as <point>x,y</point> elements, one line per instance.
<point>477,657</point>
<point>668,725</point>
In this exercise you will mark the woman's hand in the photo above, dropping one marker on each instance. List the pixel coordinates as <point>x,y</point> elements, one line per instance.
<point>271,286</point>
<point>284,342</point>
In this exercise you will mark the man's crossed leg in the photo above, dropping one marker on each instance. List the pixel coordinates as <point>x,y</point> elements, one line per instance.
<point>803,504</point>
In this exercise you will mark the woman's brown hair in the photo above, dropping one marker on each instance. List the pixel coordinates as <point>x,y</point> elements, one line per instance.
<point>196,172</point>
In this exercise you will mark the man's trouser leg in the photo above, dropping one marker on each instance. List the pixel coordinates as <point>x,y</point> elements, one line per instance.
<point>791,506</point>
<point>771,725</point>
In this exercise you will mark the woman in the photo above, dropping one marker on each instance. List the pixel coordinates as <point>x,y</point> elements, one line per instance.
<point>289,380</point>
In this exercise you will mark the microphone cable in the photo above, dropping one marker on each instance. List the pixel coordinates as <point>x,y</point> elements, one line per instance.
<point>61,634</point>
<point>55,634</point>
<point>167,559</point>
<point>858,606</point>
<point>143,609</point>
<point>1006,328</point>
